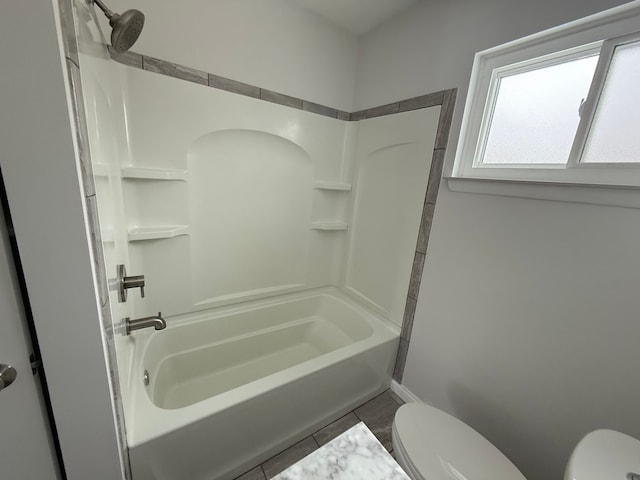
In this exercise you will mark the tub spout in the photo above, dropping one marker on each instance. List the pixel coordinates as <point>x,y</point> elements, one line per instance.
<point>155,321</point>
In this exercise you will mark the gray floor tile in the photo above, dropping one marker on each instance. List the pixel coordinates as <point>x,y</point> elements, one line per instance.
<point>377,414</point>
<point>334,429</point>
<point>255,474</point>
<point>398,400</point>
<point>291,455</point>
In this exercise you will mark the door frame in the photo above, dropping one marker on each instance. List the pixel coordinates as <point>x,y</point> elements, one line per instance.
<point>23,354</point>
<point>40,168</point>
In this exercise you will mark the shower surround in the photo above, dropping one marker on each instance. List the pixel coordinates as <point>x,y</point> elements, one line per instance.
<point>230,196</point>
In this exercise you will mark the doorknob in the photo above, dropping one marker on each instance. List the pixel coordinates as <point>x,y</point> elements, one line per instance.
<point>7,375</point>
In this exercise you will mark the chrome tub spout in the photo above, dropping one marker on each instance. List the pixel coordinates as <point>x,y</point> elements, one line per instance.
<point>155,321</point>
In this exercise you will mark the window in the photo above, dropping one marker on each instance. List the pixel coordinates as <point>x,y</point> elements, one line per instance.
<point>611,127</point>
<point>536,112</point>
<point>559,106</point>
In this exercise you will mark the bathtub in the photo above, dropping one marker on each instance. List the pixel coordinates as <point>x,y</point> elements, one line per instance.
<point>232,387</point>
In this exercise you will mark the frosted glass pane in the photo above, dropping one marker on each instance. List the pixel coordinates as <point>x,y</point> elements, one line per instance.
<point>536,114</point>
<point>615,131</point>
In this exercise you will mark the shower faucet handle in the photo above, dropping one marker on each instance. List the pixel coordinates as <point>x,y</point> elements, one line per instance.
<point>134,281</point>
<point>125,283</point>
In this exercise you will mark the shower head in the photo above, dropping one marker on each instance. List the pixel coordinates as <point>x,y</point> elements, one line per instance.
<point>126,28</point>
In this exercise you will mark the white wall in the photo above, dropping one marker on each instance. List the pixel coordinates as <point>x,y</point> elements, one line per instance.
<point>273,44</point>
<point>430,47</point>
<point>527,319</point>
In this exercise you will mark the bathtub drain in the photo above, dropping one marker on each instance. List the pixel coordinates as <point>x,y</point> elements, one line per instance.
<point>145,378</point>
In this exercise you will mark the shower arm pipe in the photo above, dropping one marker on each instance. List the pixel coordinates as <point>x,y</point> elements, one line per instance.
<point>104,8</point>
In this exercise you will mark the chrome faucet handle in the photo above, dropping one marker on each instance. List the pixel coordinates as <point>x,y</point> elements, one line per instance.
<point>134,281</point>
<point>125,283</point>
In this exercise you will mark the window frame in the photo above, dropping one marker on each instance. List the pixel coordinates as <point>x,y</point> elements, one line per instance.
<point>603,31</point>
<point>528,65</point>
<point>591,105</point>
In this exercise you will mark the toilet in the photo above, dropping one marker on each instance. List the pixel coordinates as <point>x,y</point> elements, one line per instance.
<point>430,444</point>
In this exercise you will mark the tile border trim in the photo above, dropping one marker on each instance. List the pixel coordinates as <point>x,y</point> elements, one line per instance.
<point>170,69</point>
<point>182,72</point>
<point>447,99</point>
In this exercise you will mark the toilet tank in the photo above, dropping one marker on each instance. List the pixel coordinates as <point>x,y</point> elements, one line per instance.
<point>605,455</point>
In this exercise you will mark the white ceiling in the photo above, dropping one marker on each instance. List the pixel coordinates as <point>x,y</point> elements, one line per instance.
<point>356,16</point>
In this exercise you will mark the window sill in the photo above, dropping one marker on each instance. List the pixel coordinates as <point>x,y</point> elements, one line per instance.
<point>610,195</point>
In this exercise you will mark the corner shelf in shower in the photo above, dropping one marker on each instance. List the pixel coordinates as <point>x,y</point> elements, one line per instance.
<point>329,226</point>
<point>336,187</point>
<point>136,173</point>
<point>157,232</point>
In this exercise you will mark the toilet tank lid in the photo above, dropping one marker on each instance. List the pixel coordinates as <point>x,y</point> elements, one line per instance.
<point>604,454</point>
<point>442,447</point>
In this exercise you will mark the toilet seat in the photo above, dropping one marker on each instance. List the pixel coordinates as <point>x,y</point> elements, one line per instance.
<point>432,445</point>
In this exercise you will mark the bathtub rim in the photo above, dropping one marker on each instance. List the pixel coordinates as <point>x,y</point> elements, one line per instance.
<point>155,421</point>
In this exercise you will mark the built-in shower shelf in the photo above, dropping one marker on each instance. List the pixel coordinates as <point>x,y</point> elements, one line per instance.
<point>153,174</point>
<point>338,187</point>
<point>328,225</point>
<point>137,234</point>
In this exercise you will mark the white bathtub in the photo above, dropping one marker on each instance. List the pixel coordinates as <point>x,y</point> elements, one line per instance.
<point>232,387</point>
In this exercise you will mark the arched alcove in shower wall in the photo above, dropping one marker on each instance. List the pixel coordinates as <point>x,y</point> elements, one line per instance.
<point>392,164</point>
<point>242,189</point>
<point>391,189</point>
<point>250,199</point>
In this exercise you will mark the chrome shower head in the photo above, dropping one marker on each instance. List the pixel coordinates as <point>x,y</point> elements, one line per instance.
<point>126,28</point>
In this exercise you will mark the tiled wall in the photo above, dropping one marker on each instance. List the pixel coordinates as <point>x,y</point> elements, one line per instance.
<point>444,98</point>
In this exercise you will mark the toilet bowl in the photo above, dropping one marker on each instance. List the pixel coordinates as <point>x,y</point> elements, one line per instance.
<point>430,444</point>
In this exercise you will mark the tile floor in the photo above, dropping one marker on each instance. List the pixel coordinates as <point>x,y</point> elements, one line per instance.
<point>377,414</point>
